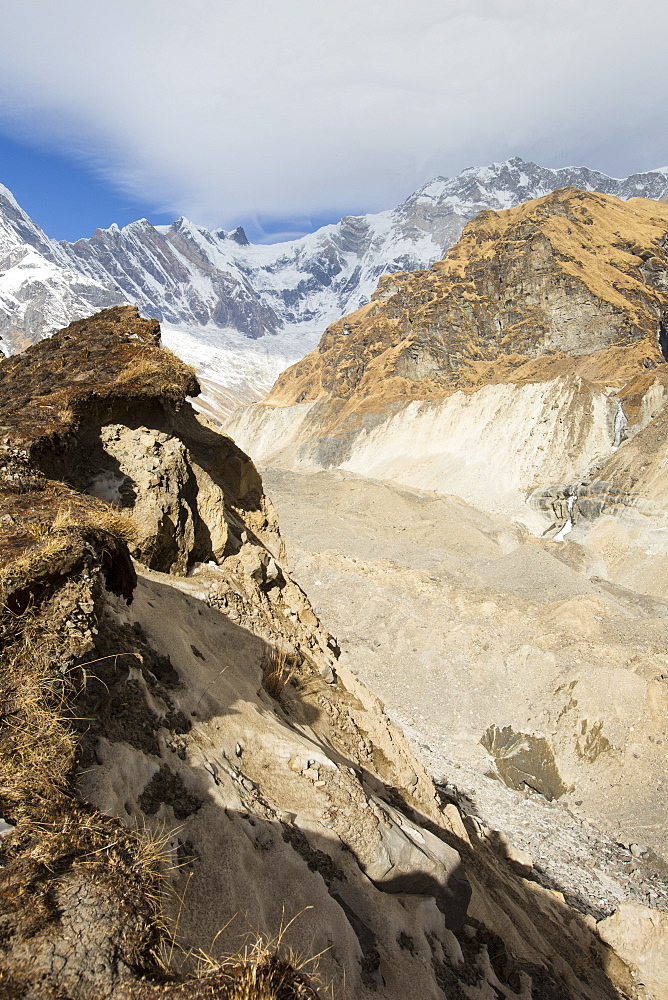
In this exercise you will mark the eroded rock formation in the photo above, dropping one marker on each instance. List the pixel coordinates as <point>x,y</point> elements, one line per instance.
<point>530,349</point>
<point>183,762</point>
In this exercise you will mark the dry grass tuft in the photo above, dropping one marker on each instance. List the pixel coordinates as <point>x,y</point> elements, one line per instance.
<point>29,562</point>
<point>262,976</point>
<point>160,371</point>
<point>277,671</point>
<point>102,518</point>
<point>112,521</point>
<point>263,970</point>
<point>36,744</point>
<point>56,540</point>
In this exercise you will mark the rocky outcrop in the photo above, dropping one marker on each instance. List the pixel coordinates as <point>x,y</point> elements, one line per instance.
<point>572,273</point>
<point>189,726</point>
<point>639,935</point>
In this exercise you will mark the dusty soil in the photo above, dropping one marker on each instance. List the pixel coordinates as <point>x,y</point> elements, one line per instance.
<point>461,622</point>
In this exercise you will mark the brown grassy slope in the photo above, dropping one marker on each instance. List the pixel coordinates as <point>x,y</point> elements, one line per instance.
<point>572,283</point>
<point>80,894</point>
<point>45,391</point>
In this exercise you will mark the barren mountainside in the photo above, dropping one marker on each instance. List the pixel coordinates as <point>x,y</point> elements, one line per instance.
<point>531,349</point>
<point>198,798</point>
<point>572,274</point>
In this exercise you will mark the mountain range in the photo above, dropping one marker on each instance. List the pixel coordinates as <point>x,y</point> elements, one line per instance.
<point>472,470</point>
<point>242,312</point>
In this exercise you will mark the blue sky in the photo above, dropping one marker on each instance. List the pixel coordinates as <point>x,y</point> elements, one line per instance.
<point>283,115</point>
<point>70,200</point>
<point>62,196</point>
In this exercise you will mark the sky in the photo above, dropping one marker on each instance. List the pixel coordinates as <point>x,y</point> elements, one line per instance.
<point>281,115</point>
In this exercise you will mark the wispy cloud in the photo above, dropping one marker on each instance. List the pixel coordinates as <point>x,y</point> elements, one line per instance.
<point>225,110</point>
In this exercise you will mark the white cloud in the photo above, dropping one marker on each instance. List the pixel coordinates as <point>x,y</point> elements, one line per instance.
<point>226,109</point>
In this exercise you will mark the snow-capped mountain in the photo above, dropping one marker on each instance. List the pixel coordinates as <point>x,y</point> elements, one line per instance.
<point>187,274</point>
<point>41,289</point>
<point>222,299</point>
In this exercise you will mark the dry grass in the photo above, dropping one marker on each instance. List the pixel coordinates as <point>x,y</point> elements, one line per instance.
<point>56,836</point>
<point>160,371</point>
<point>259,976</point>
<point>38,529</point>
<point>112,521</point>
<point>56,538</point>
<point>264,969</point>
<point>32,560</point>
<point>277,671</point>
<point>36,744</point>
<point>102,518</point>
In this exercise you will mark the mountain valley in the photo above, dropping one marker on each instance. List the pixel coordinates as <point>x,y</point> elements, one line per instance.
<point>469,476</point>
<point>532,689</point>
<point>199,797</point>
<point>469,472</point>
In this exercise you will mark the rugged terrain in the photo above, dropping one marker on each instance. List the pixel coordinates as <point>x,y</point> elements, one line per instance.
<point>243,312</point>
<point>503,588</point>
<point>533,689</point>
<point>530,350</point>
<point>188,769</point>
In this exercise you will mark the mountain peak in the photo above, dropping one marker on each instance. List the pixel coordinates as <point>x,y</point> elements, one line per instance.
<point>8,196</point>
<point>187,275</point>
<point>239,236</point>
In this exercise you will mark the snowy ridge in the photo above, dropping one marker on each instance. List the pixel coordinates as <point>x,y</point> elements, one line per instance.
<point>7,195</point>
<point>41,290</point>
<point>240,305</point>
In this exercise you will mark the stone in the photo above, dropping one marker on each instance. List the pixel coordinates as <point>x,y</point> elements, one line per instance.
<point>639,935</point>
<point>520,860</point>
<point>415,861</point>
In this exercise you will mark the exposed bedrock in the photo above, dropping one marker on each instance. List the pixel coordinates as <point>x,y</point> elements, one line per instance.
<point>522,367</point>
<point>202,709</point>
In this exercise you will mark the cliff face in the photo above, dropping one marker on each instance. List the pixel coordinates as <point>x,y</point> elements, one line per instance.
<point>572,273</point>
<point>527,351</point>
<point>182,757</point>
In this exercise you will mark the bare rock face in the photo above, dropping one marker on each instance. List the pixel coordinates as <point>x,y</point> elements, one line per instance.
<point>514,368</point>
<point>639,934</point>
<point>182,756</point>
